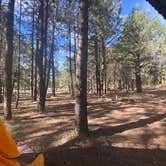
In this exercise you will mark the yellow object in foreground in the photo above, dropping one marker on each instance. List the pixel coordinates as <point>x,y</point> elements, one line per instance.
<point>39,161</point>
<point>9,150</point>
<point>8,162</point>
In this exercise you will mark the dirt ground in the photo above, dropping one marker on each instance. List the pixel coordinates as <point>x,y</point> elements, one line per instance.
<point>126,129</point>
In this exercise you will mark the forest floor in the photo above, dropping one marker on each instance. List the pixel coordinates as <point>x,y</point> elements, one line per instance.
<point>125,130</point>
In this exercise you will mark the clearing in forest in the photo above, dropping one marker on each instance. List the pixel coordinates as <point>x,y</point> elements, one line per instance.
<point>131,130</point>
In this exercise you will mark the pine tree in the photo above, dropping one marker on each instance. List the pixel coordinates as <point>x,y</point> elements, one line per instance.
<point>81,71</point>
<point>9,61</point>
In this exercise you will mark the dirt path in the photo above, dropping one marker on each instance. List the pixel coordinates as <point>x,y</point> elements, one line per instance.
<point>129,131</point>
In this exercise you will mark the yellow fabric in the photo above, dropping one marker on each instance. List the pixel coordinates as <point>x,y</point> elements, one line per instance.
<point>9,151</point>
<point>39,161</point>
<point>8,162</point>
<point>8,148</point>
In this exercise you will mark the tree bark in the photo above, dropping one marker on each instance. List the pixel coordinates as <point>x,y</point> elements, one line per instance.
<point>103,66</point>
<point>81,121</point>
<point>138,75</point>
<point>53,77</point>
<point>9,62</point>
<point>98,79</point>
<point>19,54</point>
<point>45,55</point>
<point>161,74</point>
<point>52,60</point>
<point>52,48</point>
<point>46,65</point>
<point>132,84</point>
<point>1,40</point>
<point>40,54</point>
<point>75,48</point>
<point>32,51</point>
<point>35,74</point>
<point>36,60</point>
<point>70,62</point>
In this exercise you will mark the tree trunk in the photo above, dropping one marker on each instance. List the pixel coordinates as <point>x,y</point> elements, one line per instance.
<point>75,48</point>
<point>114,75</point>
<point>120,84</point>
<point>45,55</point>
<point>35,74</point>
<point>132,84</point>
<point>70,62</point>
<point>81,121</point>
<point>19,54</point>
<point>99,72</point>
<point>138,83</point>
<point>161,74</point>
<point>1,40</point>
<point>40,54</point>
<point>98,81</point>
<point>52,61</point>
<point>1,88</point>
<point>9,62</point>
<point>32,51</point>
<point>36,60</point>
<point>91,84</point>
<point>52,50</point>
<point>103,66</point>
<point>105,73</point>
<point>138,75</point>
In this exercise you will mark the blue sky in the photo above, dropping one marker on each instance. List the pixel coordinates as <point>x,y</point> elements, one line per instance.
<point>127,6</point>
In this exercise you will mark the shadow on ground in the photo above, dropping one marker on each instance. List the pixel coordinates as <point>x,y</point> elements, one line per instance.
<point>121,133</point>
<point>68,155</point>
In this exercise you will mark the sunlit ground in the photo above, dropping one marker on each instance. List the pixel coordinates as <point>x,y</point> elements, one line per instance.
<point>133,122</point>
